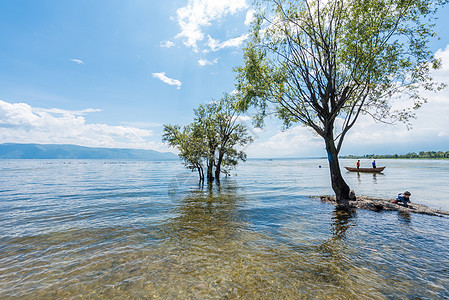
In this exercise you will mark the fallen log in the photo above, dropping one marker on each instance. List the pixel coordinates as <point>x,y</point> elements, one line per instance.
<point>378,204</point>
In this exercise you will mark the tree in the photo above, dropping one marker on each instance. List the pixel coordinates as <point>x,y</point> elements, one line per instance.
<point>211,139</point>
<point>190,143</point>
<point>230,133</point>
<point>205,119</point>
<point>324,63</point>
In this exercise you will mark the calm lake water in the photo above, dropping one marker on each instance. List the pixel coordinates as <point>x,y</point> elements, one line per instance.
<point>111,229</point>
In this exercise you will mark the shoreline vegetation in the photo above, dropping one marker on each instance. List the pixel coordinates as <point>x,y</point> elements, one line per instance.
<point>420,155</point>
<point>378,205</point>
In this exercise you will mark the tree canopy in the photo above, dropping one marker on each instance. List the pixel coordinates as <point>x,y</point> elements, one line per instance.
<point>323,63</point>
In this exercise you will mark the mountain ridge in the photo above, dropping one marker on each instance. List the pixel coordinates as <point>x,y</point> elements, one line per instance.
<point>68,151</point>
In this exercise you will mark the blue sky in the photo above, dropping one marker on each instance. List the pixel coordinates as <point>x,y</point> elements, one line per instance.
<point>109,73</point>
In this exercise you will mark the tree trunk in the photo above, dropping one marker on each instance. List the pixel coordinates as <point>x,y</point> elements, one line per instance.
<point>209,171</point>
<point>340,187</point>
<point>209,174</point>
<point>200,173</point>
<point>210,164</point>
<point>218,166</point>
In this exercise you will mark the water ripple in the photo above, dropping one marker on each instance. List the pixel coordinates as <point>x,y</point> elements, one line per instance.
<point>148,230</point>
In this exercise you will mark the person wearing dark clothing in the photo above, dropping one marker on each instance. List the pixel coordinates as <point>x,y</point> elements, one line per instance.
<point>374,164</point>
<point>404,198</point>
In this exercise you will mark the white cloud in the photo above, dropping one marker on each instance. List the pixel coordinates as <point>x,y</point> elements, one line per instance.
<point>200,13</point>
<point>78,61</point>
<point>297,141</point>
<point>243,118</point>
<point>429,132</point>
<point>249,16</point>
<point>444,56</point>
<point>142,124</point>
<point>68,112</point>
<point>21,123</point>
<point>215,45</point>
<point>167,44</point>
<point>161,76</point>
<point>204,62</point>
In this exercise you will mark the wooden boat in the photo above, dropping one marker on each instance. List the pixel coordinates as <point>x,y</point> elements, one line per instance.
<point>368,170</point>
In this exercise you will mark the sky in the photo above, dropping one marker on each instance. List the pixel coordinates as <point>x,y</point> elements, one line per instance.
<point>110,73</point>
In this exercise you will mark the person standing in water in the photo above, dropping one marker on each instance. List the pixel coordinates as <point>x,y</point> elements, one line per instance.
<point>374,164</point>
<point>358,164</point>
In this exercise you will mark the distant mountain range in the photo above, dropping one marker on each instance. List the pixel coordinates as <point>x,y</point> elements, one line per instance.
<point>48,151</point>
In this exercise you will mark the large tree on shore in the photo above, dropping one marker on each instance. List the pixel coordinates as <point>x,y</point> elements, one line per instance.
<point>323,63</point>
<point>212,140</point>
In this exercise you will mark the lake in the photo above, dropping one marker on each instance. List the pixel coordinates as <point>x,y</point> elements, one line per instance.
<point>138,229</point>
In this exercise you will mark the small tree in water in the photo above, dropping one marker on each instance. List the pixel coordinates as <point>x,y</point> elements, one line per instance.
<point>323,63</point>
<point>212,139</point>
<point>190,143</point>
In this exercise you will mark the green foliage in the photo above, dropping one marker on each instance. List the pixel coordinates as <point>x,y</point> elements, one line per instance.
<point>317,61</point>
<point>212,139</point>
<point>190,143</point>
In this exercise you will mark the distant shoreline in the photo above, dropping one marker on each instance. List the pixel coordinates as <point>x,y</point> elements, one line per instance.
<point>411,155</point>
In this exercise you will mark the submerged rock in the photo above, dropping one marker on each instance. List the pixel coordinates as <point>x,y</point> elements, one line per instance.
<point>378,204</point>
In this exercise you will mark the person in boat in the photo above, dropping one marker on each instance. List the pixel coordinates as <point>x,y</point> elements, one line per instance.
<point>404,197</point>
<point>358,164</point>
<point>374,164</point>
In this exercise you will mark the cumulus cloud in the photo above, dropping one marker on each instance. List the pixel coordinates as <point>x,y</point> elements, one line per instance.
<point>204,62</point>
<point>78,61</point>
<point>21,123</point>
<point>161,76</point>
<point>200,13</point>
<point>167,44</point>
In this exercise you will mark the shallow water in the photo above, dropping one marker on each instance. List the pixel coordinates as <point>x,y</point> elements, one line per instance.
<point>107,229</point>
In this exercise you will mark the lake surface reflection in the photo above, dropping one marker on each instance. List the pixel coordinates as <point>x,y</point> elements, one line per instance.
<point>104,229</point>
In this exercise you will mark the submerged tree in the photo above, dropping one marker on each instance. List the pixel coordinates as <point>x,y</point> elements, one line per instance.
<point>190,143</point>
<point>324,63</point>
<point>212,139</point>
<point>230,132</point>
